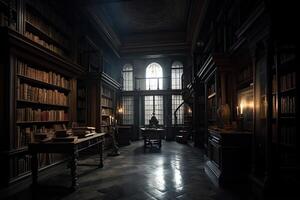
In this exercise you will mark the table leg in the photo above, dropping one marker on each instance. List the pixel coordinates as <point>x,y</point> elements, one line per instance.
<point>74,170</point>
<point>101,154</point>
<point>34,169</point>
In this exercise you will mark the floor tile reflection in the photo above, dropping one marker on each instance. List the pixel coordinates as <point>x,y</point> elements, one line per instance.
<point>175,172</point>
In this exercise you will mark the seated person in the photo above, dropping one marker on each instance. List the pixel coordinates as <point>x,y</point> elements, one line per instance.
<point>153,122</point>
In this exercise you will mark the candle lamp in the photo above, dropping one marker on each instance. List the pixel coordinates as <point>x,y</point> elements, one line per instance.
<point>240,117</point>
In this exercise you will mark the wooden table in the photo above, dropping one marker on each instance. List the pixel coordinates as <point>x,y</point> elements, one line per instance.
<point>152,136</point>
<point>72,149</point>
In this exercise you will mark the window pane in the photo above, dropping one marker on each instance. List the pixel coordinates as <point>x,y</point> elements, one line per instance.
<point>176,101</point>
<point>127,102</point>
<point>176,74</point>
<point>127,77</point>
<point>154,76</point>
<point>154,105</point>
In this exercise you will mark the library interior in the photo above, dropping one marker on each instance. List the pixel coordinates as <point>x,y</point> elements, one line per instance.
<point>151,99</point>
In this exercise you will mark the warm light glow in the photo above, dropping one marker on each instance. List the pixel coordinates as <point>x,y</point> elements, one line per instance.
<point>120,110</point>
<point>190,110</point>
<point>244,105</point>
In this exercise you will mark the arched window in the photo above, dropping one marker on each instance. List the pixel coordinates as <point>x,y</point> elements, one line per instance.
<point>176,74</point>
<point>154,76</point>
<point>127,77</point>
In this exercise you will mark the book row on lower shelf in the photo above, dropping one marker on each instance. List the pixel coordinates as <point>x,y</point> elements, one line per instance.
<point>288,159</point>
<point>22,164</point>
<point>288,104</point>
<point>32,115</point>
<point>26,135</point>
<point>49,77</point>
<point>288,81</point>
<point>27,92</point>
<point>288,135</point>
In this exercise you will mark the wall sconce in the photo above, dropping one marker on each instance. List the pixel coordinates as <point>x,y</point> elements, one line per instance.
<point>190,111</point>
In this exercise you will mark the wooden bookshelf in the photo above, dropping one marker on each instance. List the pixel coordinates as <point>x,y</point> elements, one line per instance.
<point>82,107</point>
<point>38,99</point>
<point>42,27</point>
<point>287,84</point>
<point>107,107</point>
<point>109,93</point>
<point>8,14</point>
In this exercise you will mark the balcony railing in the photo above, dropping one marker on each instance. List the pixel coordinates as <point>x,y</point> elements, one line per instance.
<point>160,83</point>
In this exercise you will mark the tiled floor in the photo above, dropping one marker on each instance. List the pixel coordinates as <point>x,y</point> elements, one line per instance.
<point>175,172</point>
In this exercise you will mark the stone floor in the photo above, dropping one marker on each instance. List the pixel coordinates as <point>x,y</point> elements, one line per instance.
<point>175,172</point>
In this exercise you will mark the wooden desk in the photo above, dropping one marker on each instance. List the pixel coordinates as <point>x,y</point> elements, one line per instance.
<point>152,136</point>
<point>70,148</point>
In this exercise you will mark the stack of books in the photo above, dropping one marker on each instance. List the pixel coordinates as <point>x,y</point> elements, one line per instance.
<point>64,136</point>
<point>84,131</point>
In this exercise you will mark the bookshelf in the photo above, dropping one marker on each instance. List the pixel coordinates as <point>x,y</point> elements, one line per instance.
<point>42,106</point>
<point>8,14</point>
<point>38,89</point>
<point>287,89</point>
<point>47,29</point>
<point>107,108</point>
<point>82,104</point>
<point>109,93</point>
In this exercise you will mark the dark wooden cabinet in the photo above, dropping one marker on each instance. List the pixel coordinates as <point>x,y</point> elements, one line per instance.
<point>124,135</point>
<point>229,155</point>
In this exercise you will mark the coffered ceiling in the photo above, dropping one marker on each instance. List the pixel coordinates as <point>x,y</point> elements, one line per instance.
<point>145,26</point>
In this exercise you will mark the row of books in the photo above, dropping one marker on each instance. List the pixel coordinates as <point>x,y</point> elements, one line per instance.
<point>288,104</point>
<point>81,92</point>
<point>34,94</point>
<point>106,102</point>
<point>106,111</point>
<point>50,77</point>
<point>46,28</point>
<point>22,164</point>
<point>25,135</point>
<point>288,135</point>
<point>286,57</point>
<point>288,81</point>
<point>45,44</point>
<point>47,10</point>
<point>106,92</point>
<point>29,114</point>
